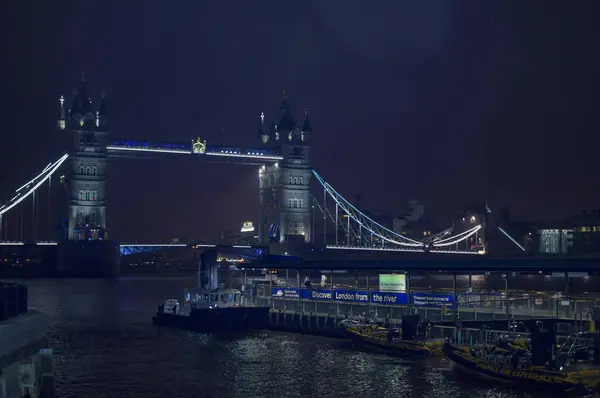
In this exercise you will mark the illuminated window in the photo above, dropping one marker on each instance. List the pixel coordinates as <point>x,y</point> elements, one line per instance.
<point>300,180</point>
<point>80,195</point>
<point>88,195</point>
<point>88,170</point>
<point>290,179</point>
<point>94,170</point>
<point>81,169</point>
<point>94,195</point>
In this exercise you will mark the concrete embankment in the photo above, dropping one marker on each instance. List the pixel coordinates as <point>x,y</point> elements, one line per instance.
<point>26,367</point>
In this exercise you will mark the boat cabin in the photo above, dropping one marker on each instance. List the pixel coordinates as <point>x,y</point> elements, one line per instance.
<point>218,298</point>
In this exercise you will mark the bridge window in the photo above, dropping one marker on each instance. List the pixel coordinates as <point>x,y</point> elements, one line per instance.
<point>79,217</point>
<point>88,170</point>
<point>94,195</point>
<point>80,195</point>
<point>93,218</point>
<point>300,180</point>
<point>94,170</point>
<point>81,170</point>
<point>290,180</point>
<point>295,203</point>
<point>295,225</point>
<point>88,195</point>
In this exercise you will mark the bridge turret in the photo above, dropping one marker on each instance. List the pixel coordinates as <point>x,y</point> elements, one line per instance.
<point>81,106</point>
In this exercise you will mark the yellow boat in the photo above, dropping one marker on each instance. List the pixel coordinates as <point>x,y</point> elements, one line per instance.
<point>394,341</point>
<point>572,366</point>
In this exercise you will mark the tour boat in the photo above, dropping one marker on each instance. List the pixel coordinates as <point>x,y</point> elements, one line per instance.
<point>539,361</point>
<point>411,339</point>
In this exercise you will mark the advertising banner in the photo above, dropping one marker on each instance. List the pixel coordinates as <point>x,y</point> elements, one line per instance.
<point>285,292</point>
<point>389,298</point>
<point>432,299</point>
<point>392,283</point>
<point>352,296</point>
<point>320,295</point>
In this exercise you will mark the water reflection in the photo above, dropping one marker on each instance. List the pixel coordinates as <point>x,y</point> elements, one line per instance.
<point>105,346</point>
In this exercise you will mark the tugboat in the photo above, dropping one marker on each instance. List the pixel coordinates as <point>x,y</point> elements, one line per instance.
<point>574,365</point>
<point>210,308</point>
<point>410,340</point>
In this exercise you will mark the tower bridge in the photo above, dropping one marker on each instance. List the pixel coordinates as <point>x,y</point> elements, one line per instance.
<point>291,219</point>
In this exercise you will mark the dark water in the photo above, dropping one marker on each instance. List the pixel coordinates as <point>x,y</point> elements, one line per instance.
<point>106,346</point>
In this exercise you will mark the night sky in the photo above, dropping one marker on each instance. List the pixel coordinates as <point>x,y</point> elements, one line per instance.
<point>446,102</point>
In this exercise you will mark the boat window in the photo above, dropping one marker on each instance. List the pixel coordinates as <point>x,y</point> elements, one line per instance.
<point>230,297</point>
<point>214,297</point>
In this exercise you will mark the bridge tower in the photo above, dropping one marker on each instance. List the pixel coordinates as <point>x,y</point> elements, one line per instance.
<point>87,250</point>
<point>285,193</point>
<point>88,160</point>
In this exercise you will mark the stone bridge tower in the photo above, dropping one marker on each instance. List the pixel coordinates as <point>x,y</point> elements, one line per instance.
<point>88,160</point>
<point>285,194</point>
<point>87,251</point>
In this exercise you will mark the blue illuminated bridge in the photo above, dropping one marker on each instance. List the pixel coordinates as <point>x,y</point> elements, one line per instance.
<point>350,228</point>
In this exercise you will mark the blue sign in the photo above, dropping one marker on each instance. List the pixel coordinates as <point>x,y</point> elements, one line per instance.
<point>285,292</point>
<point>352,296</point>
<point>389,298</point>
<point>320,295</point>
<point>432,299</point>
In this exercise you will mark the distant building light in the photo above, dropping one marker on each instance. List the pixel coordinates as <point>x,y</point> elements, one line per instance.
<point>247,227</point>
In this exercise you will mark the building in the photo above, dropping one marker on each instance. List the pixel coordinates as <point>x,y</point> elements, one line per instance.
<point>579,234</point>
<point>246,235</point>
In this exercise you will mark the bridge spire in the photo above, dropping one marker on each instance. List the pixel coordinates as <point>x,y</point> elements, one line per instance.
<point>102,111</point>
<point>286,119</point>
<point>262,132</point>
<point>306,126</point>
<point>62,121</point>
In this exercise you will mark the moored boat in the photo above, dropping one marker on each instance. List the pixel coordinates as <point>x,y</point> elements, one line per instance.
<point>574,365</point>
<point>210,308</point>
<point>412,339</point>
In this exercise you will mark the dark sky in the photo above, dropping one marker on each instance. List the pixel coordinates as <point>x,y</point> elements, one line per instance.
<point>446,102</point>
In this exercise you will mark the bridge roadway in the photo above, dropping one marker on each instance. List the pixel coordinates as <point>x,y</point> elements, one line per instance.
<point>449,263</point>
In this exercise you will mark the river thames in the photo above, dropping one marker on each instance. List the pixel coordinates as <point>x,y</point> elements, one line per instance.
<point>106,346</point>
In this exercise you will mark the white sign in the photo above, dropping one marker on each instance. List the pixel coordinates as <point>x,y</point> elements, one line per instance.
<point>392,283</point>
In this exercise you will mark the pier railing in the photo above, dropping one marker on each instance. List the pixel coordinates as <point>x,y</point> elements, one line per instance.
<point>436,307</point>
<point>13,300</point>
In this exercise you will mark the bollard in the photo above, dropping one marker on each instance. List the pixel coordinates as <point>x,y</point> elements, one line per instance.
<point>27,379</point>
<point>48,385</point>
